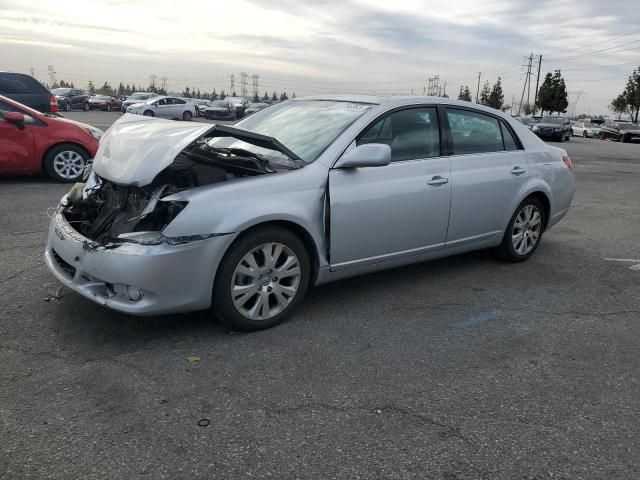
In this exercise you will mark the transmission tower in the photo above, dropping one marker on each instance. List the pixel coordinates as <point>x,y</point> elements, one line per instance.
<point>255,82</point>
<point>574,104</point>
<point>52,75</point>
<point>527,80</point>
<point>243,84</point>
<point>152,81</point>
<point>164,81</point>
<point>434,86</point>
<point>233,84</point>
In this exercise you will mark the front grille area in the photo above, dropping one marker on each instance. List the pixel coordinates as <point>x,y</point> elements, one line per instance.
<point>66,267</point>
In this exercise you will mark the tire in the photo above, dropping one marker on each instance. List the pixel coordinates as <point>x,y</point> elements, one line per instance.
<point>621,139</point>
<point>65,163</point>
<point>186,115</point>
<point>86,107</point>
<point>255,291</point>
<point>67,107</point>
<point>108,107</point>
<point>585,134</point>
<point>149,113</point>
<point>568,137</point>
<point>507,250</point>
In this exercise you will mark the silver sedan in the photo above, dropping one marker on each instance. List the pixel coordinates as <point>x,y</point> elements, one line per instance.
<point>167,107</point>
<point>176,217</point>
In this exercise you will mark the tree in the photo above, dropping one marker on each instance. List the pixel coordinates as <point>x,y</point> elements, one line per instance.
<point>465,94</point>
<point>256,97</point>
<point>91,87</point>
<point>632,94</point>
<point>283,96</point>
<point>496,97</point>
<point>105,89</point>
<point>222,95</point>
<point>545,94</point>
<point>186,92</point>
<point>274,97</point>
<point>121,89</point>
<point>293,95</point>
<point>265,97</point>
<point>234,94</point>
<point>214,95</point>
<point>527,109</point>
<point>620,105</point>
<point>484,94</point>
<point>133,88</point>
<point>560,101</point>
<point>198,94</point>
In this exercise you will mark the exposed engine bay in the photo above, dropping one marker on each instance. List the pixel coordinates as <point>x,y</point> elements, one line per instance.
<point>106,212</point>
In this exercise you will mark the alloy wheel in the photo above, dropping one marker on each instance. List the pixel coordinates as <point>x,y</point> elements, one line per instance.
<point>68,164</point>
<point>526,230</point>
<point>265,281</point>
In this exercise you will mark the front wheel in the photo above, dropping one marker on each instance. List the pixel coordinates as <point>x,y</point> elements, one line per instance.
<point>67,107</point>
<point>523,233</point>
<point>585,134</point>
<point>261,280</point>
<point>108,108</point>
<point>149,113</point>
<point>86,107</point>
<point>65,163</point>
<point>186,115</point>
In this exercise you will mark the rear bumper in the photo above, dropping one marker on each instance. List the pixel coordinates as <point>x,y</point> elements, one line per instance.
<point>170,278</point>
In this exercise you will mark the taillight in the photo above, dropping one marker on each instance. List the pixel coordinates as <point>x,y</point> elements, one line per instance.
<point>568,162</point>
<point>53,104</point>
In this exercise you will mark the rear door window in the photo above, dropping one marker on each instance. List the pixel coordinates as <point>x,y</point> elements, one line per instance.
<point>474,132</point>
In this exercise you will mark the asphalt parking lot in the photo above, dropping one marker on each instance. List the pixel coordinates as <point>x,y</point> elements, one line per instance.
<point>461,368</point>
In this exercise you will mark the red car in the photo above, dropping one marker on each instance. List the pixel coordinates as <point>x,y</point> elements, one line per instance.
<point>32,142</point>
<point>104,102</point>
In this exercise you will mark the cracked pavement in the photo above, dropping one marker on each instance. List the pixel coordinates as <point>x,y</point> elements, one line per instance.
<point>461,368</point>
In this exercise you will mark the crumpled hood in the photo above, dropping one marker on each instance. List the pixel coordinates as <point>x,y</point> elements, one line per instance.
<point>136,148</point>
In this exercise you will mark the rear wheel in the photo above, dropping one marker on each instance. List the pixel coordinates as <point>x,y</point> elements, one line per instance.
<point>108,107</point>
<point>67,107</point>
<point>261,280</point>
<point>585,134</point>
<point>65,163</point>
<point>186,115</point>
<point>524,232</point>
<point>86,107</point>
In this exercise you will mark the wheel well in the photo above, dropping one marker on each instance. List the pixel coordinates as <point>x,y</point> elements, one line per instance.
<point>544,200</point>
<point>63,143</point>
<point>303,234</point>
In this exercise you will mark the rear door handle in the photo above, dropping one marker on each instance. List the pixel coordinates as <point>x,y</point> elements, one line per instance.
<point>438,180</point>
<point>517,171</point>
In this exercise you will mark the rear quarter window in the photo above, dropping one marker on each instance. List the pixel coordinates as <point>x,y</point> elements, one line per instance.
<point>20,84</point>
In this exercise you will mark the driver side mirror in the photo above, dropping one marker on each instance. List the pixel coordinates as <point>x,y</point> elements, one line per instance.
<point>367,155</point>
<point>16,118</point>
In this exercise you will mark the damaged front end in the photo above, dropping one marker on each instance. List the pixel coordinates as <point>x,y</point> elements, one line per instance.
<point>109,213</point>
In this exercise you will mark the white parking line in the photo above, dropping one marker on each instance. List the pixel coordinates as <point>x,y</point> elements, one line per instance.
<point>625,260</point>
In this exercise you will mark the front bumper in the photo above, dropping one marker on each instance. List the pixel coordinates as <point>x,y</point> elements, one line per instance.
<point>171,278</point>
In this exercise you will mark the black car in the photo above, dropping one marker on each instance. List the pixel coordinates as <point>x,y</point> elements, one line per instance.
<point>27,90</point>
<point>221,109</point>
<point>554,128</point>
<point>620,131</point>
<point>71,98</point>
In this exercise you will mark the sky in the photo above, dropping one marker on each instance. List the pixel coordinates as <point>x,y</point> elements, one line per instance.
<point>328,46</point>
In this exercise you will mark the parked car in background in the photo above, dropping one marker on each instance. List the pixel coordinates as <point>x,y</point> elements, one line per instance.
<point>28,91</point>
<point>71,99</point>
<point>620,131</point>
<point>201,104</point>
<point>221,109</point>
<point>104,102</point>
<point>136,97</point>
<point>309,191</point>
<point>167,107</point>
<point>255,107</point>
<point>240,104</point>
<point>554,128</point>
<point>585,129</point>
<point>528,122</point>
<point>32,142</point>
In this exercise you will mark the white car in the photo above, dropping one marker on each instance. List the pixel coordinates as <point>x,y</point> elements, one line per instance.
<point>166,107</point>
<point>590,130</point>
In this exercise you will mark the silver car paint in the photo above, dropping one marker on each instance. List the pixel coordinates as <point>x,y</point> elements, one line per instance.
<point>368,230</point>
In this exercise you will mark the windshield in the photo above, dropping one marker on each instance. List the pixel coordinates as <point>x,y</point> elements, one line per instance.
<point>220,103</point>
<point>139,96</point>
<point>61,91</point>
<point>306,127</point>
<point>258,105</point>
<point>100,97</point>
<point>558,120</point>
<point>628,126</point>
<point>592,125</point>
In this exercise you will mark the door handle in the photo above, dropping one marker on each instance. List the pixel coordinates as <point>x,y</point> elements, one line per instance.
<point>438,180</point>
<point>517,171</point>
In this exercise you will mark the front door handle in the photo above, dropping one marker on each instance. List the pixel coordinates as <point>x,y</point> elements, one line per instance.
<point>438,180</point>
<point>517,171</point>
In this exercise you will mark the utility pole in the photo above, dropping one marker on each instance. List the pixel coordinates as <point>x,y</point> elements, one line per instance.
<point>478,89</point>
<point>255,79</point>
<point>526,79</point>
<point>243,84</point>
<point>535,101</point>
<point>513,100</point>
<point>444,90</point>
<point>52,75</point>
<point>529,90</point>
